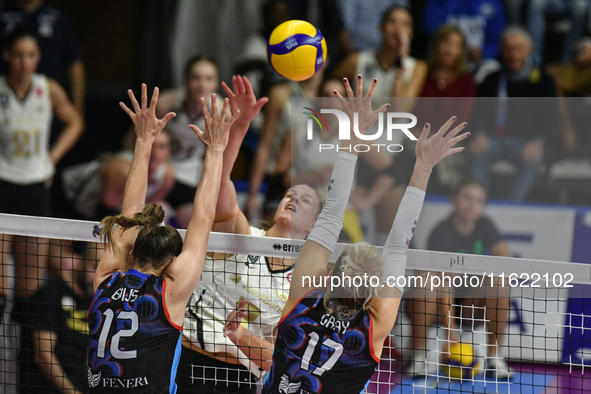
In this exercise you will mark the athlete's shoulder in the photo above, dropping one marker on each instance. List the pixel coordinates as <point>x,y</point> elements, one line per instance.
<point>257,232</point>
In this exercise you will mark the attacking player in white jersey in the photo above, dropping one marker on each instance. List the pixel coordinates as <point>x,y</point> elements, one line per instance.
<point>27,104</point>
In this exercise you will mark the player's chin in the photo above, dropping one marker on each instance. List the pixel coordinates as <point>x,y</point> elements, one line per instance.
<point>285,217</point>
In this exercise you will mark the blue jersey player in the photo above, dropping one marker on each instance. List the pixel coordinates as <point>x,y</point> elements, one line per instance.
<point>145,279</point>
<point>330,339</point>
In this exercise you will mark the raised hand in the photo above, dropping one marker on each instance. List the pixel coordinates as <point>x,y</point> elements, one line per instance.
<point>217,129</point>
<point>361,105</point>
<point>430,151</point>
<point>243,99</point>
<point>235,318</point>
<point>144,119</point>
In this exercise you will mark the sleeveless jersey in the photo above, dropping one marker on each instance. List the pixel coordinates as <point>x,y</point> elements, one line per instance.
<point>316,352</point>
<point>134,347</point>
<point>186,149</point>
<point>82,184</point>
<point>24,133</point>
<point>368,66</point>
<point>226,282</point>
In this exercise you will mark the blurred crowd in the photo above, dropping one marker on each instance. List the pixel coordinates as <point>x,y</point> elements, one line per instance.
<point>461,49</point>
<point>438,56</point>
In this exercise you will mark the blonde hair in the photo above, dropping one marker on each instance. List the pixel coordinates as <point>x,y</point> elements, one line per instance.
<point>358,260</point>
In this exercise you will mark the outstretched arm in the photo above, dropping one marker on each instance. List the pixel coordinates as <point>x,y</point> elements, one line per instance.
<point>183,272</point>
<point>146,127</point>
<point>429,152</point>
<point>229,218</point>
<point>257,349</point>
<point>320,244</point>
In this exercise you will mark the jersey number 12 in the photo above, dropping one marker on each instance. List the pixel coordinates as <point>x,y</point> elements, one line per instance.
<point>115,351</point>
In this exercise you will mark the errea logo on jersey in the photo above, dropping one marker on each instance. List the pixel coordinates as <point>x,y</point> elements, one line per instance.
<point>345,129</point>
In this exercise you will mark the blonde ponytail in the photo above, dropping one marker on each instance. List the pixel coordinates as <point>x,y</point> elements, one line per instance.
<point>358,260</point>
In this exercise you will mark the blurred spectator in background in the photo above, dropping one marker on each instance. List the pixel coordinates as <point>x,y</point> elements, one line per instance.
<point>253,64</point>
<point>447,74</point>
<point>94,190</point>
<point>398,73</point>
<point>362,21</point>
<point>517,132</point>
<point>187,151</point>
<point>447,77</point>
<point>301,162</point>
<point>27,162</point>
<point>541,11</point>
<point>277,125</point>
<point>481,21</point>
<point>574,79</point>
<point>467,230</point>
<point>61,58</point>
<point>53,359</point>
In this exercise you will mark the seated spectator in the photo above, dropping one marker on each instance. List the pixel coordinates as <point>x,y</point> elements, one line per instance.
<point>252,62</point>
<point>187,151</point>
<point>53,359</point>
<point>94,190</point>
<point>516,130</point>
<point>465,231</point>
<point>302,163</point>
<point>481,21</point>
<point>362,21</point>
<point>400,74</point>
<point>541,11</point>
<point>447,77</point>
<point>574,79</point>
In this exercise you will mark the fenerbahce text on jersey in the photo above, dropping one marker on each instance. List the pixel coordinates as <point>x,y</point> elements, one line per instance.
<point>134,347</point>
<point>315,352</point>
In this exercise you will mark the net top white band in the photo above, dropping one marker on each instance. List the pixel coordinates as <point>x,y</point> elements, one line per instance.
<point>457,263</point>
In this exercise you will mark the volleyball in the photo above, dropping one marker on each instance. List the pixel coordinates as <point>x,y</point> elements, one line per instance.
<point>296,50</point>
<point>463,363</point>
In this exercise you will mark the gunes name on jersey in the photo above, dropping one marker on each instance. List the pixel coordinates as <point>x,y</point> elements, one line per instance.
<point>125,294</point>
<point>331,322</point>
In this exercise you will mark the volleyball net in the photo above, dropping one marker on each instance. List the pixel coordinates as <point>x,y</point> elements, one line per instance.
<point>469,312</point>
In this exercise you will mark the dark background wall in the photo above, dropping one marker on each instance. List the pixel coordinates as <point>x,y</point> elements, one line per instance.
<point>123,44</point>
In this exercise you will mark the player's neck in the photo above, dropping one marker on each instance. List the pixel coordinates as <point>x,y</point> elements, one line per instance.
<point>463,227</point>
<point>20,86</point>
